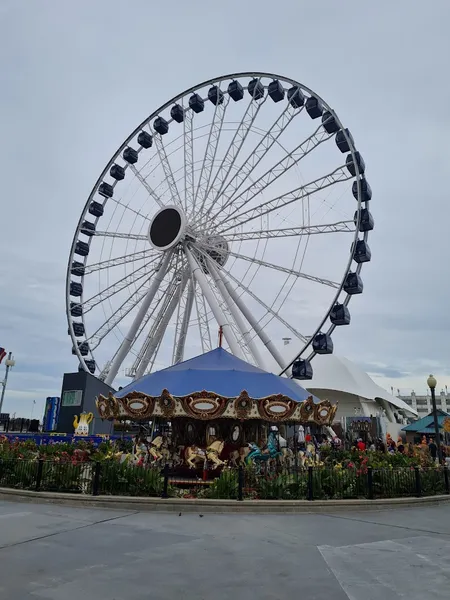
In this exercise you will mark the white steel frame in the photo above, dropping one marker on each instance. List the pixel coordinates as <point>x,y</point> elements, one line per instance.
<point>217,201</point>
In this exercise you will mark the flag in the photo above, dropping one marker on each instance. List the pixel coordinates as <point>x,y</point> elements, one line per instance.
<point>2,354</point>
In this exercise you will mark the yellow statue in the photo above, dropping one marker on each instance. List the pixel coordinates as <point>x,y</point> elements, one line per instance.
<point>82,426</point>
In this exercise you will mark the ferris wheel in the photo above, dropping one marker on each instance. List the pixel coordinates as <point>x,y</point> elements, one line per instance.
<point>241,205</point>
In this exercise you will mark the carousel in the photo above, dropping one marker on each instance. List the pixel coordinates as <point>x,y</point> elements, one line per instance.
<point>216,410</point>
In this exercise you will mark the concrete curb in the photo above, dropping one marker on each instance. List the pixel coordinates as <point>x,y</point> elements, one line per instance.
<point>214,506</point>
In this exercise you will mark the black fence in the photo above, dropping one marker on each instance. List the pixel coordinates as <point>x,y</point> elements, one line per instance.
<point>243,483</point>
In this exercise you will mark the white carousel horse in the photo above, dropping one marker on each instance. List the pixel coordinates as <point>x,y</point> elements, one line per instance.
<point>193,455</point>
<point>213,452</point>
<point>159,449</point>
<point>237,457</point>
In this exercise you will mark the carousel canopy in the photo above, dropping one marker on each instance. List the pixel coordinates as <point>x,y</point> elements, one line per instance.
<point>220,372</point>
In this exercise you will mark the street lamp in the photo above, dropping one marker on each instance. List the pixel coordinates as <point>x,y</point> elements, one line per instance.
<point>431,381</point>
<point>9,363</point>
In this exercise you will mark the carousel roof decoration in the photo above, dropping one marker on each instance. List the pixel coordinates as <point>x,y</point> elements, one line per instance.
<point>237,390</point>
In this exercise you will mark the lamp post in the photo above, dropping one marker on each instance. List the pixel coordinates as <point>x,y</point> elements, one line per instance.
<point>9,363</point>
<point>431,381</point>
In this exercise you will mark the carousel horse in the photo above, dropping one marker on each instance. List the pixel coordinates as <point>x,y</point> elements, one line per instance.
<point>159,449</point>
<point>309,457</point>
<point>194,455</point>
<point>137,456</point>
<point>213,452</point>
<point>177,456</point>
<point>132,458</point>
<point>287,457</point>
<point>258,455</point>
<point>237,457</point>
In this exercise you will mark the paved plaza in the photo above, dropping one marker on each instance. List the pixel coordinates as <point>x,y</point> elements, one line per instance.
<point>56,552</point>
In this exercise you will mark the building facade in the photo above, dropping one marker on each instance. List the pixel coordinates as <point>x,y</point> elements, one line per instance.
<point>422,404</point>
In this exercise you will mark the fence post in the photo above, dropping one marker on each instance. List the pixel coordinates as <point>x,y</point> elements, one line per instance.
<point>166,481</point>
<point>370,482</point>
<point>447,486</point>
<point>40,468</point>
<point>418,485</point>
<point>96,479</point>
<point>240,483</point>
<point>310,484</point>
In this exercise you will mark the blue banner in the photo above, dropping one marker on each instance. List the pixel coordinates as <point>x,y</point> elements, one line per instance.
<point>42,439</point>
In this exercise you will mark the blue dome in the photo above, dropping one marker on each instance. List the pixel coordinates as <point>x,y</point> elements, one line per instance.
<point>220,372</point>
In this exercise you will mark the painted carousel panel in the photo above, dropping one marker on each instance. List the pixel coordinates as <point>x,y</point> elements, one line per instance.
<point>207,406</point>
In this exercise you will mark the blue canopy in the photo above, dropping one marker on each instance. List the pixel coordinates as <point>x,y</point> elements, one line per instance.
<point>426,424</point>
<point>220,372</point>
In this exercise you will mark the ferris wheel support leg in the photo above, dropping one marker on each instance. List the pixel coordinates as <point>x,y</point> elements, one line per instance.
<point>199,276</point>
<point>254,323</point>
<point>129,338</point>
<point>160,330</point>
<point>235,314</point>
<point>179,352</point>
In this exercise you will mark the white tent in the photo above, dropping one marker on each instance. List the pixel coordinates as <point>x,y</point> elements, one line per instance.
<point>339,379</point>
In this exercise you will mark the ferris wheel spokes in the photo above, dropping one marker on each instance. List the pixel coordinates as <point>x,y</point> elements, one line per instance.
<point>182,322</point>
<point>338,227</point>
<point>231,154</point>
<point>202,320</point>
<point>128,207</point>
<point>122,235</point>
<point>254,158</point>
<point>234,310</point>
<point>188,155</point>
<point>161,321</point>
<point>144,182</point>
<point>160,148</point>
<point>262,263</point>
<point>257,329</point>
<point>204,179</point>
<point>135,276</point>
<point>161,297</point>
<point>293,272</point>
<point>116,317</point>
<point>130,336</point>
<point>119,260</point>
<point>299,193</point>
<point>268,309</point>
<point>275,172</point>
<point>222,321</point>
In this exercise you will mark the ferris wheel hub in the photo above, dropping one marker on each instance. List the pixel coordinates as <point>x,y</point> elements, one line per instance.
<point>167,228</point>
<point>217,248</point>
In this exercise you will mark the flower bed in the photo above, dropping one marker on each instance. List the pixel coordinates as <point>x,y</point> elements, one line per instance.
<point>81,468</point>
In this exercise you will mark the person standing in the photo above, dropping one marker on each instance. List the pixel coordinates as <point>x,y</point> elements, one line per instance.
<point>433,449</point>
<point>361,445</point>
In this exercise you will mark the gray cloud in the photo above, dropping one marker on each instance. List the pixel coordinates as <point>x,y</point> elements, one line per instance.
<point>77,78</point>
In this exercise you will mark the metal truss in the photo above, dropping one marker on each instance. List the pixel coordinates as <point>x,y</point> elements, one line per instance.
<point>338,227</point>
<point>338,175</point>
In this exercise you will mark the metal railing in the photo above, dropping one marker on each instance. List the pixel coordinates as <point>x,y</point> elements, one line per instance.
<point>241,483</point>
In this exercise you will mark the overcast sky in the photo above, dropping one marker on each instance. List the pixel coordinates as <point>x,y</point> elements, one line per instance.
<point>77,77</point>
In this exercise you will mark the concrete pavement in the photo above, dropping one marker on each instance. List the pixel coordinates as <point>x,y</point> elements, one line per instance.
<point>57,552</point>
